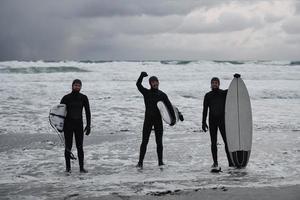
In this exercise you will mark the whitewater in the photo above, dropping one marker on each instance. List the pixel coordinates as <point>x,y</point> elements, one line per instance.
<point>32,160</point>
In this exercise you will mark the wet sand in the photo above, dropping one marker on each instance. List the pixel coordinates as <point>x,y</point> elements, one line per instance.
<point>222,193</point>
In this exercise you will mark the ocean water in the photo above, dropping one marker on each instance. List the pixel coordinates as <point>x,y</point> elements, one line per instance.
<point>32,162</point>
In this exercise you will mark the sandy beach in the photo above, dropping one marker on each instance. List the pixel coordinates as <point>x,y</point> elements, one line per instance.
<point>222,193</point>
<point>32,160</point>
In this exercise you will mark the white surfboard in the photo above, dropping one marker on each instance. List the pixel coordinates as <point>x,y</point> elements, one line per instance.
<point>57,116</point>
<point>238,122</point>
<point>165,114</point>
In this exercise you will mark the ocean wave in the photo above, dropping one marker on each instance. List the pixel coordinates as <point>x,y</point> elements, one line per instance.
<point>295,63</point>
<point>95,61</point>
<point>259,62</point>
<point>276,95</point>
<point>176,62</point>
<point>38,70</point>
<point>233,62</point>
<point>275,63</point>
<point>54,63</point>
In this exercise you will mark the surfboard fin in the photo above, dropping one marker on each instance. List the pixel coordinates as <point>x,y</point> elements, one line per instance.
<point>180,116</point>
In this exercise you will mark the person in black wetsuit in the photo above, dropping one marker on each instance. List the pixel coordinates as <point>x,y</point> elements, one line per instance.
<point>75,101</point>
<point>153,117</point>
<point>215,102</point>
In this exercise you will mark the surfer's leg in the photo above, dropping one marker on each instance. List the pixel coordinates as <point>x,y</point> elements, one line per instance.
<point>68,133</point>
<point>158,128</point>
<point>213,129</point>
<point>223,134</point>
<point>146,134</point>
<point>79,143</point>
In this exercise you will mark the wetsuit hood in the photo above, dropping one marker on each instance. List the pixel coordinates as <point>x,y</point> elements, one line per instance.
<point>74,92</point>
<point>153,78</point>
<point>215,79</point>
<point>77,81</point>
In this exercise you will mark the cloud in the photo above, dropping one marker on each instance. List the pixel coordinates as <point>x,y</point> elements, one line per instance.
<point>292,25</point>
<point>210,22</point>
<point>136,25</point>
<point>234,16</point>
<point>297,6</point>
<point>191,29</point>
<point>108,8</point>
<point>31,33</point>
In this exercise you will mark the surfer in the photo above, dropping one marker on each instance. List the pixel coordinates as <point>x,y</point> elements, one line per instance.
<point>153,117</point>
<point>75,101</point>
<point>215,101</point>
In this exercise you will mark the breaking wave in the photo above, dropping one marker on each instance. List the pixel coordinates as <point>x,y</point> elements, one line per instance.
<point>277,63</point>
<point>53,63</point>
<point>38,70</point>
<point>176,62</point>
<point>295,63</point>
<point>233,62</point>
<point>95,61</point>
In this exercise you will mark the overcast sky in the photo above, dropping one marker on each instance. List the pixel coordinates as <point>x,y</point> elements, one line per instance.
<point>149,29</point>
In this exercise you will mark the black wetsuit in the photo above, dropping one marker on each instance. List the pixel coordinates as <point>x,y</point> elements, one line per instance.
<point>215,101</point>
<point>75,102</point>
<point>153,118</point>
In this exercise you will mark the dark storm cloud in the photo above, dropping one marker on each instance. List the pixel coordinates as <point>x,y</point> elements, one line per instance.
<point>109,8</point>
<point>30,31</point>
<point>142,29</point>
<point>34,29</point>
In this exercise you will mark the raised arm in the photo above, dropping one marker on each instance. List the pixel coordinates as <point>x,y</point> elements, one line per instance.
<point>139,83</point>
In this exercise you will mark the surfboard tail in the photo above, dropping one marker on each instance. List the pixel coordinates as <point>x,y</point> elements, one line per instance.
<point>240,158</point>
